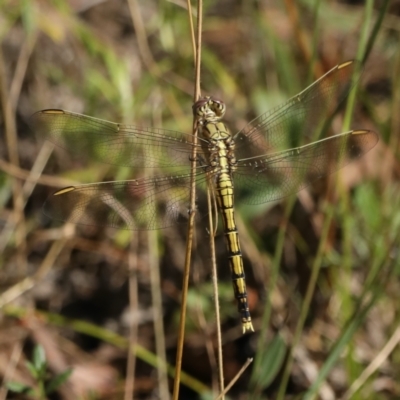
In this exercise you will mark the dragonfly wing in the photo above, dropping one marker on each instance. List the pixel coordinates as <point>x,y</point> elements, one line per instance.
<point>270,177</point>
<point>301,120</point>
<point>139,204</point>
<point>113,143</point>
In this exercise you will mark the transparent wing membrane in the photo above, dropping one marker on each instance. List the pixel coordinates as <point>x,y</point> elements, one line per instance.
<point>278,153</point>
<point>274,176</point>
<point>302,119</point>
<point>113,143</point>
<point>141,204</point>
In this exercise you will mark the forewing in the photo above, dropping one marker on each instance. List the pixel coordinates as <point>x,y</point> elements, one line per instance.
<point>139,204</point>
<point>274,176</point>
<point>113,143</point>
<point>301,120</point>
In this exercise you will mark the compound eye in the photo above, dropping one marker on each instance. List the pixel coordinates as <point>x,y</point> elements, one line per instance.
<point>200,106</point>
<point>218,107</point>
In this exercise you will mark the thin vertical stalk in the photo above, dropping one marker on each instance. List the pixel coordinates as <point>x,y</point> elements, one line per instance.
<point>155,283</point>
<point>395,125</point>
<point>30,183</point>
<point>360,56</point>
<point>371,41</point>
<point>157,313</point>
<point>192,35</point>
<point>145,52</point>
<point>216,296</point>
<point>190,229</point>
<point>21,68</point>
<point>197,89</point>
<point>12,148</point>
<point>344,202</point>
<point>133,325</point>
<point>315,69</point>
<point>301,35</point>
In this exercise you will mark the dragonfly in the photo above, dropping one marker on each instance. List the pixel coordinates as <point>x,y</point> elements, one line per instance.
<point>277,154</point>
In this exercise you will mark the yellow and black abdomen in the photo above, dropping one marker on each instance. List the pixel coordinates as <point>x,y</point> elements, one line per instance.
<point>222,159</point>
<point>225,199</point>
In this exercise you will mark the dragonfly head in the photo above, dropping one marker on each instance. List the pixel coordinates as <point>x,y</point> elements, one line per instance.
<point>209,109</point>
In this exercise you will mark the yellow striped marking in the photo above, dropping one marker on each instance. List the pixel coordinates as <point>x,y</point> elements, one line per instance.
<point>345,64</point>
<point>360,132</point>
<point>53,111</point>
<point>65,190</point>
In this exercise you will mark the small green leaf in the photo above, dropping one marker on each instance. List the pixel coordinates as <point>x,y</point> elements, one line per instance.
<point>18,387</point>
<point>39,358</point>
<point>32,369</point>
<point>369,204</point>
<point>271,362</point>
<point>58,380</point>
